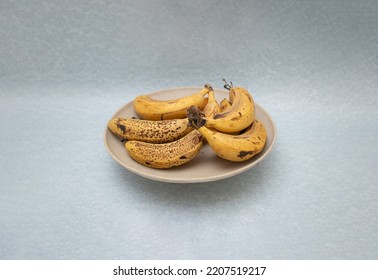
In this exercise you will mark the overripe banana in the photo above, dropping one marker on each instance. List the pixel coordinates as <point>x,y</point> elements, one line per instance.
<point>166,155</point>
<point>239,147</point>
<point>237,117</point>
<point>149,131</point>
<point>152,109</point>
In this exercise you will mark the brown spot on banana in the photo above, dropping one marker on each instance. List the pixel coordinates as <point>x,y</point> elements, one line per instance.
<point>122,127</point>
<point>243,154</point>
<point>219,116</point>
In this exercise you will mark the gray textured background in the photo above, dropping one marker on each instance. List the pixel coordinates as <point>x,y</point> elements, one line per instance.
<point>67,66</point>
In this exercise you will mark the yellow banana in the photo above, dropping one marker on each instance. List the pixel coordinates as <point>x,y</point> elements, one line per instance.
<point>152,109</point>
<point>149,131</point>
<point>237,117</point>
<point>240,147</point>
<point>224,105</point>
<point>166,155</point>
<point>212,106</point>
<point>237,147</point>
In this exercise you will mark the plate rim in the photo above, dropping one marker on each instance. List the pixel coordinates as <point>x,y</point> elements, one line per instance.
<point>193,180</point>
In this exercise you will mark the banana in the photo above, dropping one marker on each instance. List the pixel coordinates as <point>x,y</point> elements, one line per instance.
<point>152,109</point>
<point>212,106</point>
<point>224,105</point>
<point>166,155</point>
<point>149,131</point>
<point>237,117</point>
<point>239,147</point>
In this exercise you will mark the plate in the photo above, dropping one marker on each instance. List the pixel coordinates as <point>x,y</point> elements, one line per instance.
<point>206,166</point>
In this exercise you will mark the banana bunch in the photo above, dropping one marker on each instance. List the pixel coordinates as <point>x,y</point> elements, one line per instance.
<point>172,132</point>
<point>162,137</point>
<point>238,113</point>
<point>233,133</point>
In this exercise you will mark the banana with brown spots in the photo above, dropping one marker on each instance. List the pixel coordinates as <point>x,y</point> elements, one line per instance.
<point>166,155</point>
<point>152,109</point>
<point>149,131</point>
<point>239,147</point>
<point>236,117</point>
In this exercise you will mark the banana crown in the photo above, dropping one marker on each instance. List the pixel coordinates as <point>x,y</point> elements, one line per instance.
<point>237,116</point>
<point>195,117</point>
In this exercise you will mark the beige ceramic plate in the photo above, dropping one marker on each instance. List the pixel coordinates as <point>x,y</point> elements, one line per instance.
<point>203,168</point>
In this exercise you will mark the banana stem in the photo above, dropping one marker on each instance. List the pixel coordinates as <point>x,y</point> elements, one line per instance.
<point>195,117</point>
<point>205,89</point>
<point>227,86</point>
<point>208,86</point>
